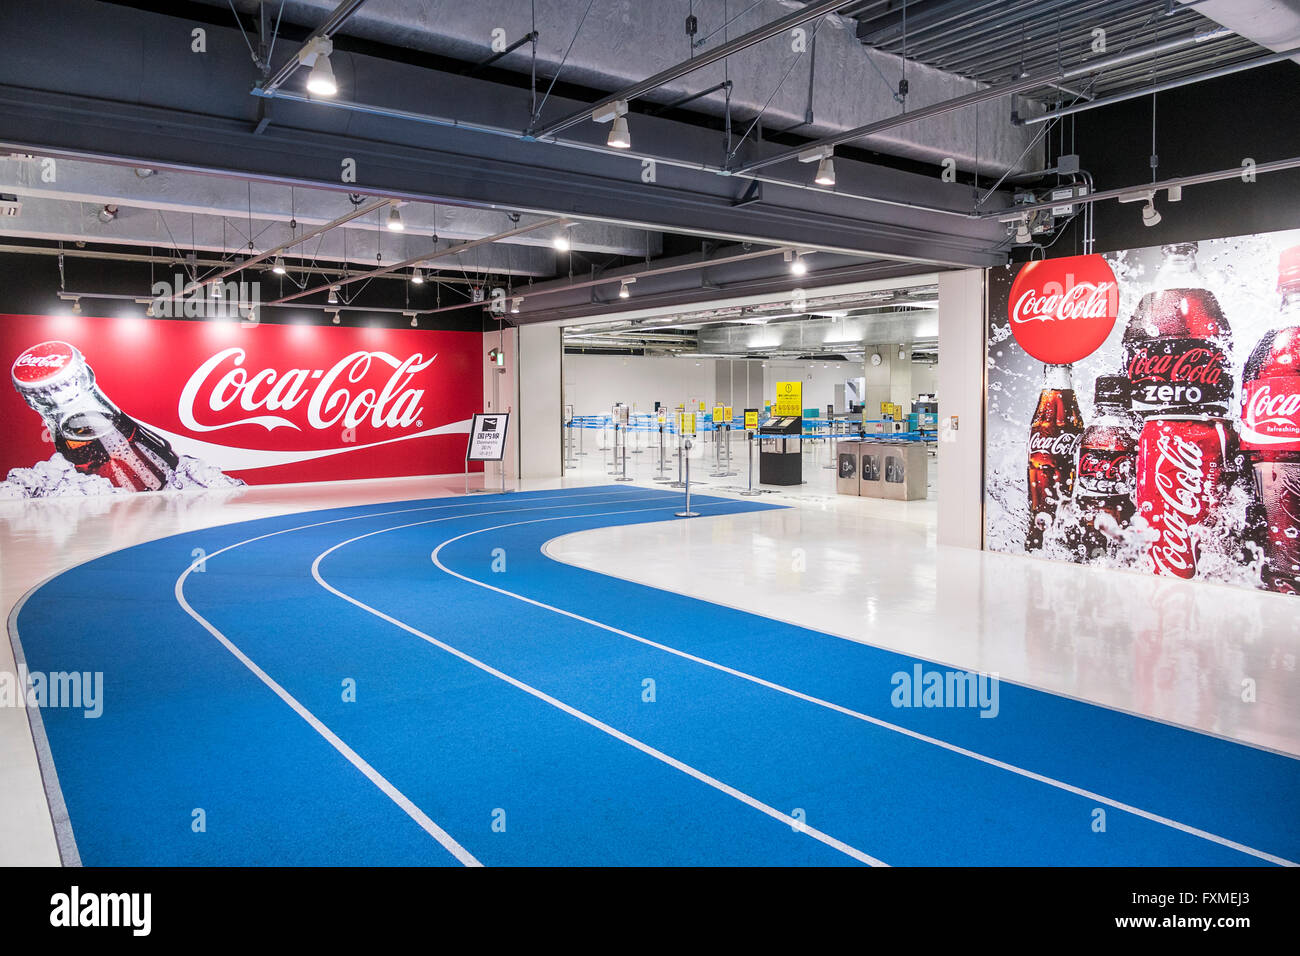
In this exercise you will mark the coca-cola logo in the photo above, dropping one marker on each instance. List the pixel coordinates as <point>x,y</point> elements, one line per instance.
<point>1063,443</point>
<point>41,362</point>
<point>1179,479</point>
<point>1103,468</point>
<point>329,398</point>
<point>1270,414</point>
<point>1197,365</point>
<point>1106,472</point>
<point>1062,310</point>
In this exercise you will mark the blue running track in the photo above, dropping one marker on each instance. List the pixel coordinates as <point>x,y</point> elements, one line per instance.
<point>417,683</point>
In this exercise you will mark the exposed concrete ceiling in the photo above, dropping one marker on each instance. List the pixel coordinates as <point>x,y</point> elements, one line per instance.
<point>817,81</point>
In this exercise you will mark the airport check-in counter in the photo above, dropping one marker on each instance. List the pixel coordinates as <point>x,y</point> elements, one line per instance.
<point>879,468</point>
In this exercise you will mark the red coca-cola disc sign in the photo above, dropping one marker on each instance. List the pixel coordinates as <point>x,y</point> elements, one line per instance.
<point>1061,310</point>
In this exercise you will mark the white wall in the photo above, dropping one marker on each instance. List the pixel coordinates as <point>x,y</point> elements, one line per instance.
<point>593,383</point>
<point>925,380</point>
<point>961,394</point>
<point>818,382</point>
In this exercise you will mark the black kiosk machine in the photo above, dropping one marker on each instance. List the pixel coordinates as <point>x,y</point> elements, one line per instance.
<point>780,451</point>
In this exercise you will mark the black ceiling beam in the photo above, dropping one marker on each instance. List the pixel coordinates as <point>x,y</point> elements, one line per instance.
<point>81,78</point>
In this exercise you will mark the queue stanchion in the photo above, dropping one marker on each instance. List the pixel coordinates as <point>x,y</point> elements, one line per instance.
<point>750,491</point>
<point>661,477</point>
<point>582,429</point>
<point>727,468</point>
<point>623,475</point>
<point>830,444</point>
<point>681,455</point>
<point>686,512</point>
<point>718,470</point>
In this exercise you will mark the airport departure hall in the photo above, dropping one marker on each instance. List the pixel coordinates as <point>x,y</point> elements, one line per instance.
<point>586,433</point>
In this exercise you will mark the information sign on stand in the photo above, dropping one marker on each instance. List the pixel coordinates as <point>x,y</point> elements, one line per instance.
<point>751,418</point>
<point>717,415</point>
<point>487,441</point>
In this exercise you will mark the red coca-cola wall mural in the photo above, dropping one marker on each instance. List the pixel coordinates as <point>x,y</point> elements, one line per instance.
<point>100,405</point>
<point>1143,410</point>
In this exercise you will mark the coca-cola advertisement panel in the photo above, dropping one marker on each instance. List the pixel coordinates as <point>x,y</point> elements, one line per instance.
<point>104,405</point>
<point>1143,410</point>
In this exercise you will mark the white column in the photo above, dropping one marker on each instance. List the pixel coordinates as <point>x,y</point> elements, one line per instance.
<point>961,408</point>
<point>540,413</point>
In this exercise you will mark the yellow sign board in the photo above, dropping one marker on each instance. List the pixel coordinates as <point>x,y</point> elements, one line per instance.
<point>701,406</point>
<point>686,423</point>
<point>751,419</point>
<point>717,414</point>
<point>789,399</point>
<point>728,413</point>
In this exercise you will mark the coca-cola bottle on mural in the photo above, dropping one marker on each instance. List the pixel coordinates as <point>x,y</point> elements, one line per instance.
<point>89,430</point>
<point>1103,492</point>
<point>1053,442</point>
<point>1175,349</point>
<point>1270,432</point>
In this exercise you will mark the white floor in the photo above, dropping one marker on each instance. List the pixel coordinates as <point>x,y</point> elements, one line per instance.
<point>864,569</point>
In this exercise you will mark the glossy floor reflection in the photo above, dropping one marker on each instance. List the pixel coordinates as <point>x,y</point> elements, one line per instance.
<point>1204,656</point>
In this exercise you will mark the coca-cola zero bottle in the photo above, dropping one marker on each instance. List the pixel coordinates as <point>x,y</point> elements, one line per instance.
<point>89,430</point>
<point>1103,492</point>
<point>1270,433</point>
<point>1054,438</point>
<point>1176,346</point>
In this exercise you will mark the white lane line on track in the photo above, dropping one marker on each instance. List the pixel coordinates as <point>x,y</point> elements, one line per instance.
<point>839,708</point>
<point>373,775</point>
<point>796,824</point>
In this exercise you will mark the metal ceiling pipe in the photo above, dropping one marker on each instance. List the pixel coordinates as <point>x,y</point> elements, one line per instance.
<point>1199,179</point>
<point>1215,53</point>
<point>1159,87</point>
<point>272,253</point>
<point>768,30</point>
<point>980,96</point>
<point>146,299</point>
<point>326,29</point>
<point>427,257</point>
<point>200,263</point>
